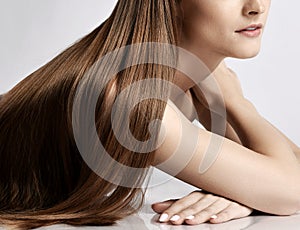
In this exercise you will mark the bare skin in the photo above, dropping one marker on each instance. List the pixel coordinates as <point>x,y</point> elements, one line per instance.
<point>253,152</point>
<point>260,157</point>
<point>198,207</point>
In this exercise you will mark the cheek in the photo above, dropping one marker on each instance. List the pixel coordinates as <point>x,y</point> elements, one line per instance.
<point>215,36</point>
<point>205,30</point>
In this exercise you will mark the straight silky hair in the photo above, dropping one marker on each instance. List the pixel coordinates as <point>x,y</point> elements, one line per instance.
<point>43,178</point>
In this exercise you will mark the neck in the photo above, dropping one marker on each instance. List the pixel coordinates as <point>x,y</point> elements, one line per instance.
<point>197,65</point>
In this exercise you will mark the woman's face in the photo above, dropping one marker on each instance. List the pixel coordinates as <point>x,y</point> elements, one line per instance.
<point>223,28</point>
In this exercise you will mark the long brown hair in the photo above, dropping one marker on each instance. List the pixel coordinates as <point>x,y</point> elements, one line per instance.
<point>44,179</point>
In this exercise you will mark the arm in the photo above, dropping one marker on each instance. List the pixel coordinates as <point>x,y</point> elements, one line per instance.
<point>190,206</point>
<point>252,178</point>
<point>294,147</point>
<point>204,118</point>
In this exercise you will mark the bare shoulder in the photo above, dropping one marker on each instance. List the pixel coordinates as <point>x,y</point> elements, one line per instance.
<point>176,135</point>
<point>185,104</point>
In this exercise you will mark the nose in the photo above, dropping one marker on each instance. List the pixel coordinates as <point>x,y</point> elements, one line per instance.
<point>254,7</point>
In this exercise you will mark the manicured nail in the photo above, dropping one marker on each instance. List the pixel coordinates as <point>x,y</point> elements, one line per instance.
<point>214,217</point>
<point>163,217</point>
<point>190,217</point>
<point>175,218</point>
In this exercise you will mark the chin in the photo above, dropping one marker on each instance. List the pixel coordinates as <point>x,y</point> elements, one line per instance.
<point>245,54</point>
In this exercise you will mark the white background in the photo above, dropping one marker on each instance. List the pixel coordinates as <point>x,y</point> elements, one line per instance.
<point>34,31</point>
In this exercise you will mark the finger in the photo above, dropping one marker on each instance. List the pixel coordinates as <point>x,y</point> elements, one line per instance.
<point>160,207</point>
<point>179,205</point>
<point>205,214</point>
<point>233,211</point>
<point>188,214</point>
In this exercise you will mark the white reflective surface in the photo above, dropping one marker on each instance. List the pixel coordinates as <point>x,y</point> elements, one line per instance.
<point>161,188</point>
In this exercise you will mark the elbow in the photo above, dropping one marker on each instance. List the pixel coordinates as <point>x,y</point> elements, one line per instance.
<point>295,206</point>
<point>281,205</point>
<point>286,208</point>
<point>295,194</point>
<point>284,199</point>
<point>290,203</point>
<point>289,194</point>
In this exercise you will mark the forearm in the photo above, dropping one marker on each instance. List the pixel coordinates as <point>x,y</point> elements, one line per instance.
<point>260,175</point>
<point>295,148</point>
<point>232,135</point>
<point>204,117</point>
<point>256,133</point>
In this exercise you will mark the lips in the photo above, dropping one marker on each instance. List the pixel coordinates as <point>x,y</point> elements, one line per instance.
<point>251,31</point>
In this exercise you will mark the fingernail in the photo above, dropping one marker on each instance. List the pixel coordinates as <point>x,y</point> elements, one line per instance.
<point>175,218</point>
<point>214,217</point>
<point>163,217</point>
<point>190,217</point>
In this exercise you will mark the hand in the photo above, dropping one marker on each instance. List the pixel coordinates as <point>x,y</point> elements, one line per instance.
<point>222,86</point>
<point>199,207</point>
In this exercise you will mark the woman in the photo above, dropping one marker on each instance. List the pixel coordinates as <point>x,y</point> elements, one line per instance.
<point>47,180</point>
